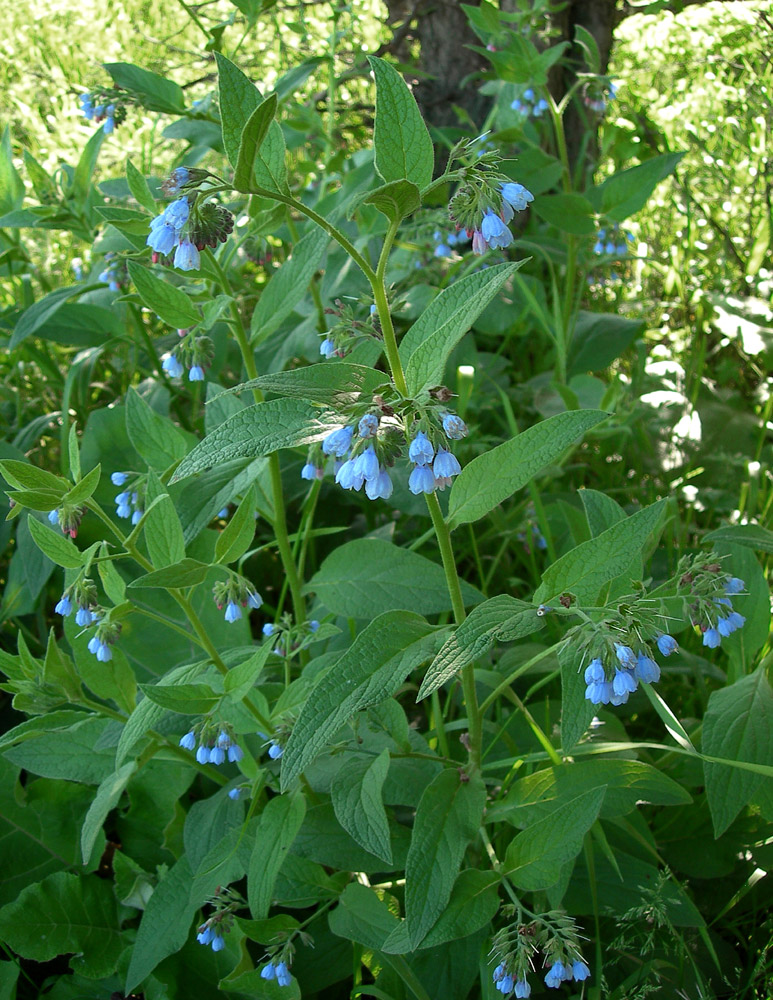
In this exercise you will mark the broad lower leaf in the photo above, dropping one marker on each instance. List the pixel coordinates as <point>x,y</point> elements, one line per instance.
<point>535,858</point>
<point>258,430</point>
<point>426,346</point>
<point>371,670</point>
<point>253,134</point>
<point>70,753</point>
<point>41,311</point>
<point>497,474</point>
<point>400,138</point>
<point>359,808</point>
<point>279,824</point>
<point>338,384</point>
<point>155,439</point>
<point>585,569</point>
<point>626,192</point>
<point>736,726</point>
<point>66,915</point>
<point>447,819</point>
<point>240,680</point>
<point>363,578</point>
<point>185,699</point>
<point>571,213</point>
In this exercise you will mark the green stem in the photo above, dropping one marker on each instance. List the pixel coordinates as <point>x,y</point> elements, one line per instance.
<point>280,515</point>
<point>474,718</point>
<point>522,669</point>
<point>384,315</point>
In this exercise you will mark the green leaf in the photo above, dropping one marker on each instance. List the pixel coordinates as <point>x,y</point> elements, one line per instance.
<point>601,511</point>
<point>495,475</point>
<point>736,726</point>
<point>63,915</point>
<point>626,784</point>
<point>164,533</point>
<point>425,347</point>
<point>535,857</point>
<point>258,430</point>
<point>576,711</point>
<point>288,285</point>
<point>365,577</point>
<point>585,569</point>
<point>571,213</point>
<point>402,144</point>
<point>359,808</point>
<point>84,171</point>
<point>395,200</point>
<point>626,192</point>
<point>240,680</point>
<point>70,753</point>
<point>170,303</point>
<point>185,699</point>
<point>744,644</point>
<point>338,385</point>
<point>447,819</point>
<point>23,476</point>
<point>84,489</point>
<point>599,339</point>
<point>239,98</point>
<point>156,440</point>
<point>234,540</point>
<point>165,924</point>
<point>371,670</point>
<point>11,184</point>
<point>9,975</point>
<point>106,799</point>
<point>74,453</point>
<point>474,901</point>
<point>157,92</point>
<point>186,573</point>
<point>753,536</point>
<point>588,44</point>
<point>362,917</point>
<point>279,824</point>
<point>253,134</point>
<point>501,618</point>
<point>54,545</point>
<point>112,581</point>
<point>139,188</point>
<point>147,714</point>
<point>40,312</point>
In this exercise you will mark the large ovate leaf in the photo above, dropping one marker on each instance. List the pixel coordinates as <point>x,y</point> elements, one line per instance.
<point>338,384</point>
<point>447,819</point>
<point>170,303</point>
<point>363,578</point>
<point>279,824</point>
<point>66,915</point>
<point>737,727</point>
<point>371,670</point>
<point>359,808</point>
<point>288,285</point>
<point>401,139</point>
<point>626,192</point>
<point>258,430</point>
<point>497,474</point>
<point>586,568</point>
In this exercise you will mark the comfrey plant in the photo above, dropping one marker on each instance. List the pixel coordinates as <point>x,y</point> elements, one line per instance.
<point>332,677</point>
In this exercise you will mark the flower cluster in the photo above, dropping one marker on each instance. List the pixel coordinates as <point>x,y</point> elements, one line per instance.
<point>364,450</point>
<point>289,638</point>
<point>83,596</point>
<point>280,972</point>
<point>725,621</point>
<point>67,517</point>
<point>114,274</point>
<point>212,931</point>
<point>235,594</point>
<point>612,242</point>
<point>110,114</point>
<point>597,97</point>
<point>528,106</point>
<point>446,243</point>
<point>188,224</point>
<point>344,334</point>
<point>630,669</point>
<point>555,934</point>
<point>194,353</point>
<point>212,749</point>
<point>128,503</point>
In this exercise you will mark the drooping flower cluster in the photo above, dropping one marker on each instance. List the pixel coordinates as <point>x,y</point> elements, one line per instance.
<point>114,274</point>
<point>195,352</point>
<point>188,224</point>
<point>447,243</point>
<point>212,749</point>
<point>612,242</point>
<point>348,330</point>
<point>109,113</point>
<point>234,594</point>
<point>630,669</point>
<point>278,971</point>
<point>289,638</point>
<point>528,105</point>
<point>364,451</point>
<point>81,596</point>
<point>225,901</point>
<point>130,502</point>
<point>725,620</point>
<point>554,934</point>
<point>68,517</point>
